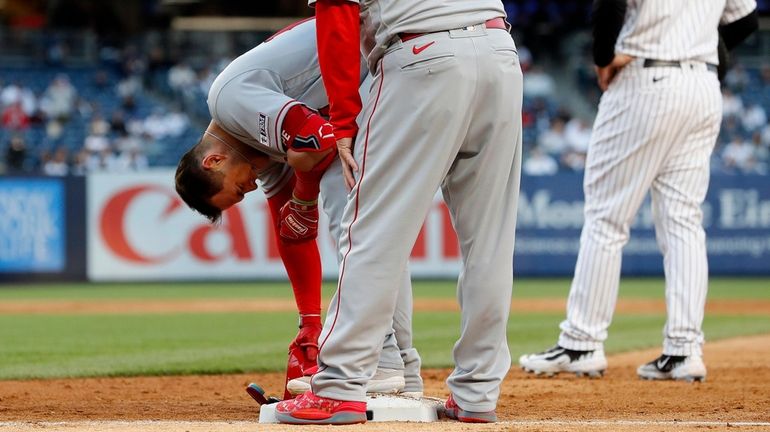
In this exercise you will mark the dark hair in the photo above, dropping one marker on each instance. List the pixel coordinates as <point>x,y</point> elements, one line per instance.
<point>196,185</point>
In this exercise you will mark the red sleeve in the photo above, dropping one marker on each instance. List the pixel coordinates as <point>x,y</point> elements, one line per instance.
<point>339,55</point>
<point>308,183</point>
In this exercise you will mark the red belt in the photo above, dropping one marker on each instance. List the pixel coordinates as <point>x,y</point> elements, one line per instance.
<point>494,23</point>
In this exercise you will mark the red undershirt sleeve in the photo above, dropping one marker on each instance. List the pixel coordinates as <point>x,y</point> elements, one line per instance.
<point>339,56</point>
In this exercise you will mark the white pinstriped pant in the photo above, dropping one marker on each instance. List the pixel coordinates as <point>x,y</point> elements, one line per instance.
<point>655,130</point>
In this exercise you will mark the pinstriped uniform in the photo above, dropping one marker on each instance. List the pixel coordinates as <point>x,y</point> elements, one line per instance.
<point>655,130</point>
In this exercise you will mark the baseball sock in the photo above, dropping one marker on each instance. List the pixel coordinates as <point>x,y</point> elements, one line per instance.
<point>301,260</point>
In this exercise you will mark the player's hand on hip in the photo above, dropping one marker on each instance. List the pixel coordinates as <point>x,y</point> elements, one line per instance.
<point>605,74</point>
<point>349,165</point>
<point>299,221</point>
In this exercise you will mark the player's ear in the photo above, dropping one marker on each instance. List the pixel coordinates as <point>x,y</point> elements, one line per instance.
<point>213,161</point>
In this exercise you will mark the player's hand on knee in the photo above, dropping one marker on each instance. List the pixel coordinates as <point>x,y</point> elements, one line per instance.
<point>349,165</point>
<point>299,221</point>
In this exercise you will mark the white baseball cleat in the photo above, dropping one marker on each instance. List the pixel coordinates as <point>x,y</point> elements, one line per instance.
<point>559,359</point>
<point>667,367</point>
<point>384,381</point>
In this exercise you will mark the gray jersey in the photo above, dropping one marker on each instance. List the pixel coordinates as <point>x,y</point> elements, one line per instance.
<point>251,96</point>
<point>383,20</point>
<point>444,111</point>
<point>677,30</point>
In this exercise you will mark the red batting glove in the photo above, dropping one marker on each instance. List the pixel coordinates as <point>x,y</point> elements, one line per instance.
<point>299,221</point>
<point>307,340</point>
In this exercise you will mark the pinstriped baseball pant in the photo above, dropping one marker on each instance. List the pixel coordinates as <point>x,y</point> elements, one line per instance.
<point>654,131</point>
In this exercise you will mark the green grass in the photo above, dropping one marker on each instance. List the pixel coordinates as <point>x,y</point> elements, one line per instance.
<point>738,288</point>
<point>57,345</point>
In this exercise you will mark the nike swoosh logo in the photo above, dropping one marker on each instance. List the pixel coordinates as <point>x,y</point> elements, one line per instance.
<point>656,79</point>
<point>662,364</point>
<point>416,50</point>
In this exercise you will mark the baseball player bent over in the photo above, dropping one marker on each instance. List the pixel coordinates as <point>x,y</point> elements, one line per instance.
<point>656,127</point>
<point>444,110</point>
<point>265,128</point>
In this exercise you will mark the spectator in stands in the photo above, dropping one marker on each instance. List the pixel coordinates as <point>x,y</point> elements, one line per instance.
<point>59,99</point>
<point>538,83</point>
<point>128,88</point>
<point>84,107</point>
<point>14,118</point>
<point>54,129</point>
<point>16,155</point>
<point>160,124</point>
<point>737,78</point>
<point>181,78</point>
<point>58,165</point>
<point>132,160</point>
<point>81,163</point>
<point>126,141</point>
<point>108,160</point>
<point>18,93</point>
<point>541,117</point>
<point>552,141</point>
<point>732,105</point>
<point>155,125</point>
<point>539,163</point>
<point>98,125</point>
<point>133,63</point>
<point>738,156</point>
<point>177,122</point>
<point>118,122</point>
<point>578,134</point>
<point>754,118</point>
<point>96,143</point>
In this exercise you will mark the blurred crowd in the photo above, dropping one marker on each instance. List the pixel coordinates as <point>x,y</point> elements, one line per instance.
<point>555,140</point>
<point>138,108</point>
<point>102,122</point>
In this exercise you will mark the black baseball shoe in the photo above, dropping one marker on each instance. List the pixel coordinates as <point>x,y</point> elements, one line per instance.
<point>667,367</point>
<point>559,359</point>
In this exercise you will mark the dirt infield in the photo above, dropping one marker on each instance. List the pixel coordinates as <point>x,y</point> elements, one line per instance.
<point>736,395</point>
<point>634,305</point>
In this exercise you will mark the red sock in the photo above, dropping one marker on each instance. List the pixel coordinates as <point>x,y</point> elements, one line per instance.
<point>301,260</point>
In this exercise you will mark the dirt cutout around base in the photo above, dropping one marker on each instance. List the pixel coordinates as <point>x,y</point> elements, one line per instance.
<point>736,392</point>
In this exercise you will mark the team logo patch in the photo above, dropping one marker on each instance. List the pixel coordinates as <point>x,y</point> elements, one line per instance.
<point>264,137</point>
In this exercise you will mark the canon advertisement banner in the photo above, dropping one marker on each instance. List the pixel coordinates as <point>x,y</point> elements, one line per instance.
<point>139,229</point>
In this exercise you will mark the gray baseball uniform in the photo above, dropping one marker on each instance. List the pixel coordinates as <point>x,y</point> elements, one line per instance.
<point>250,98</point>
<point>655,130</point>
<point>444,111</point>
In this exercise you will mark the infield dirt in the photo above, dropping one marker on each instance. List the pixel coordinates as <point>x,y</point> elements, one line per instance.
<point>736,395</point>
<point>737,390</point>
